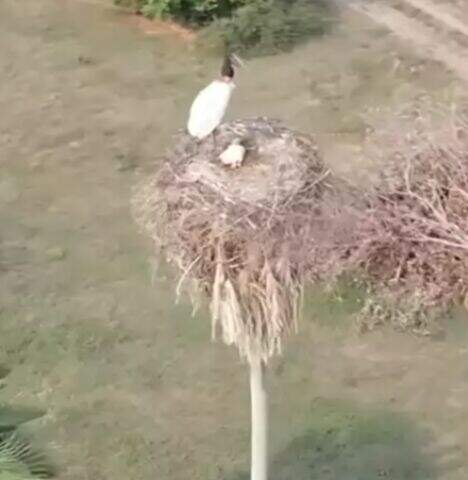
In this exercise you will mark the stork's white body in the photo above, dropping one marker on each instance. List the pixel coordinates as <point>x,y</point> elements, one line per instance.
<point>208,108</point>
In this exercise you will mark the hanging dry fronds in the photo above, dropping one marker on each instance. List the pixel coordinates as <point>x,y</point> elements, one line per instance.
<point>246,237</point>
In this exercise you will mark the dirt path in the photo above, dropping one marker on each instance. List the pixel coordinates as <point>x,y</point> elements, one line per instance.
<point>432,28</point>
<point>445,14</point>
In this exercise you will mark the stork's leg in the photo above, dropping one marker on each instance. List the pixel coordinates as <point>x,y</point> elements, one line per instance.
<point>215,145</point>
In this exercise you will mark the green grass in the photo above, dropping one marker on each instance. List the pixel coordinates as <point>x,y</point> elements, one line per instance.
<point>341,441</point>
<point>335,307</point>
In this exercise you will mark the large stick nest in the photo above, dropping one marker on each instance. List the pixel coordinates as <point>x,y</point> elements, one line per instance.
<point>244,237</point>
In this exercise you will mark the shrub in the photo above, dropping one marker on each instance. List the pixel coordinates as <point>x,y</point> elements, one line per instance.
<point>257,26</point>
<point>197,12</point>
<point>271,26</point>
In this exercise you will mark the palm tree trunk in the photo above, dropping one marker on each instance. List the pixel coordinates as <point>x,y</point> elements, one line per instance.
<point>258,395</point>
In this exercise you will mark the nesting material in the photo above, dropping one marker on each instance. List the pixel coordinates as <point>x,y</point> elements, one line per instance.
<point>240,236</point>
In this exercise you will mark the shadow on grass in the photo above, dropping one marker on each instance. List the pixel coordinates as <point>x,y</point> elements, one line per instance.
<point>4,371</point>
<point>12,417</point>
<point>344,442</point>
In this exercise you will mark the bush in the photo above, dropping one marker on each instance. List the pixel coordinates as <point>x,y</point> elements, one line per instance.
<point>197,12</point>
<point>257,26</point>
<point>270,26</point>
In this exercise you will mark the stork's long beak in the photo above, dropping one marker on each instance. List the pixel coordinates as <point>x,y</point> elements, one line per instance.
<point>237,60</point>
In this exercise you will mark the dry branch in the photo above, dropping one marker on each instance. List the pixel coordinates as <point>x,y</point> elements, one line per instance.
<point>414,223</point>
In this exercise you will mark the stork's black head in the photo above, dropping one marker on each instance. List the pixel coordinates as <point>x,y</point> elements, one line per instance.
<point>227,70</point>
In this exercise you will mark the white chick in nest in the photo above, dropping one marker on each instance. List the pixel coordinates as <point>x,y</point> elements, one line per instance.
<point>234,155</point>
